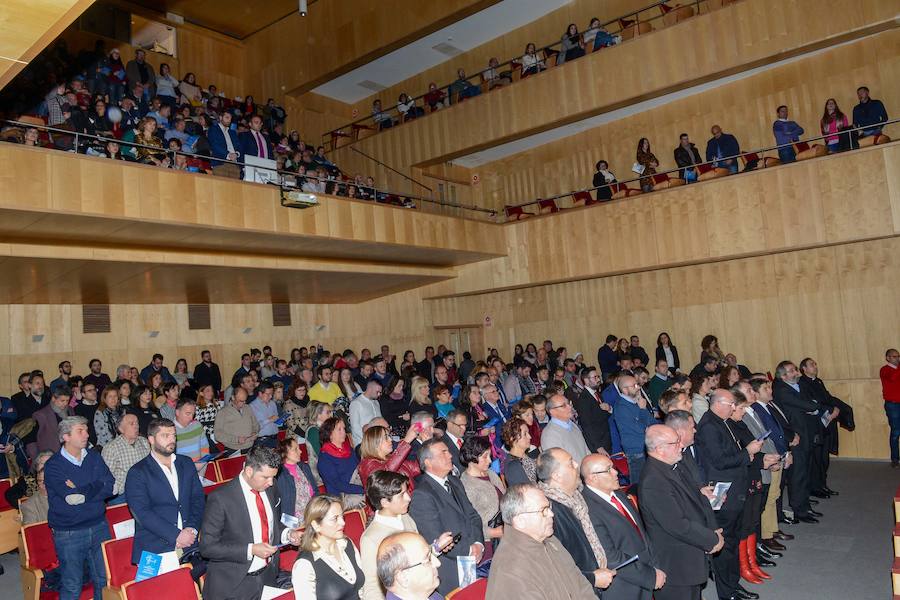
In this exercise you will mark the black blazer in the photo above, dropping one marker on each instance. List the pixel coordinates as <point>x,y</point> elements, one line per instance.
<point>796,407</point>
<point>224,536</point>
<point>661,354</point>
<point>435,511</point>
<point>425,368</point>
<point>691,468</point>
<point>594,421</point>
<point>621,542</point>
<point>679,521</point>
<point>723,458</point>
<point>569,532</point>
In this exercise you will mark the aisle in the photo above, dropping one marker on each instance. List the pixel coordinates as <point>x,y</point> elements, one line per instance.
<point>848,554</point>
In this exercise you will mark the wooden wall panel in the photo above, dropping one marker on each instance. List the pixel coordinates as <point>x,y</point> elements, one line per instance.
<point>745,108</point>
<point>572,92</point>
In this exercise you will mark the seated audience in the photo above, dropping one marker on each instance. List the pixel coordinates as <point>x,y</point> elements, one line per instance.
<point>720,147</point>
<point>531,62</point>
<point>363,409</point>
<point>603,178</point>
<point>495,78</point>
<point>388,495</point>
<point>597,37</point>
<point>48,418</point>
<point>266,412</point>
<point>338,464</point>
<point>406,106</point>
<point>236,426</point>
<point>531,562</point>
<point>686,156</point>
<point>572,46</point>
<point>869,113</point>
<point>190,438</point>
<point>78,482</point>
<point>462,88</point>
<point>378,454</point>
<point>381,118</point>
<point>207,411</point>
<point>150,150</point>
<point>328,565</point>
<point>34,508</point>
<point>562,431</point>
<point>407,567</point>
<point>524,409</point>
<point>165,496</point>
<point>435,98</point>
<point>106,418</point>
<point>440,505</point>
<point>124,452</point>
<point>483,486</point>
<point>295,480</point>
<point>141,405</point>
<point>702,385</point>
<point>786,132</point>
<point>167,401</point>
<point>518,465</point>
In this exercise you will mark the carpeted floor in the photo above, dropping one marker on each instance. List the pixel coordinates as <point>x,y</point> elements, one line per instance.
<point>846,556</point>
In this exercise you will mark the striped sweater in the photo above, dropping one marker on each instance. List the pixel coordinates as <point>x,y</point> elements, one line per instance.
<point>191,440</point>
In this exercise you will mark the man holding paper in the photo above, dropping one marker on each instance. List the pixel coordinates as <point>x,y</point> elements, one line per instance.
<point>165,497</point>
<point>242,531</point>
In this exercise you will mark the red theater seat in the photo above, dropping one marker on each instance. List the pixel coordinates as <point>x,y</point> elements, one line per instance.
<point>475,591</point>
<point>174,585</point>
<point>354,525</point>
<point>229,468</point>
<point>119,570</point>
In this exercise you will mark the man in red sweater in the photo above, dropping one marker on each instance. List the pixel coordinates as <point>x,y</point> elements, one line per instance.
<point>890,388</point>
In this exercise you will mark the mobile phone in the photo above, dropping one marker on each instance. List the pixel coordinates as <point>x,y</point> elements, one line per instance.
<point>417,426</point>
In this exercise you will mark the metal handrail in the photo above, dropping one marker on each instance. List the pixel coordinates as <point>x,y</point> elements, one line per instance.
<point>376,192</point>
<point>758,152</point>
<point>393,111</point>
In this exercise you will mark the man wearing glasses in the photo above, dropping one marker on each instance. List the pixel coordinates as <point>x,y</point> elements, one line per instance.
<point>531,562</point>
<point>562,432</point>
<point>679,521</point>
<point>408,567</point>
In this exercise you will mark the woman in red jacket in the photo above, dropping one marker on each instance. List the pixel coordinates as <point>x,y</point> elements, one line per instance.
<point>378,454</point>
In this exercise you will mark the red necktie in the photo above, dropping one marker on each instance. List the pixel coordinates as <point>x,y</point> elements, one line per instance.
<point>262,154</point>
<point>263,519</point>
<point>625,514</point>
<point>458,443</point>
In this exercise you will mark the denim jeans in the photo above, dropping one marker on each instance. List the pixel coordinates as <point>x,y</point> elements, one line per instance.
<point>892,410</point>
<point>635,466</point>
<point>787,155</point>
<point>74,548</point>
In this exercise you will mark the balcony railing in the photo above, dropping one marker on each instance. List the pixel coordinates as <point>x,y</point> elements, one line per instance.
<point>624,27</point>
<point>707,170</point>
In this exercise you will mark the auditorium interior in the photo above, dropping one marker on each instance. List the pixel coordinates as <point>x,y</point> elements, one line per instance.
<point>493,178</point>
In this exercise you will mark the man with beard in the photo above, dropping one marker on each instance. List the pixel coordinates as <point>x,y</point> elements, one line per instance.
<point>165,497</point>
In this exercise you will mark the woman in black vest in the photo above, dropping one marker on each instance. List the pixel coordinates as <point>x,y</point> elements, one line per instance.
<point>328,563</point>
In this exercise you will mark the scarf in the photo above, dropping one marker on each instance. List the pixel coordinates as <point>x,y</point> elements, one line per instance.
<point>342,452</point>
<point>530,467</point>
<point>579,508</point>
<point>303,487</point>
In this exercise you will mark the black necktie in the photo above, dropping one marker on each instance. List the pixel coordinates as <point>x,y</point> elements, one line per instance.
<point>447,486</point>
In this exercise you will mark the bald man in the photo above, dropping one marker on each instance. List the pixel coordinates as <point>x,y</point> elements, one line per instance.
<point>620,531</point>
<point>679,521</point>
<point>562,431</point>
<point>407,567</point>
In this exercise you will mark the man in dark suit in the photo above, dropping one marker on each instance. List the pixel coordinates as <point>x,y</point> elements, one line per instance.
<point>165,498</point>
<point>425,367</point>
<point>224,145</point>
<point>803,414</point>
<point>557,475</point>
<point>621,532</point>
<point>440,505</point>
<point>207,373</point>
<point>815,390</point>
<point>725,460</point>
<point>242,529</point>
<point>47,419</point>
<point>683,424</point>
<point>457,421</point>
<point>607,359</point>
<point>677,518</point>
<point>255,142</point>
<point>593,412</point>
<point>36,398</point>
<point>784,438</point>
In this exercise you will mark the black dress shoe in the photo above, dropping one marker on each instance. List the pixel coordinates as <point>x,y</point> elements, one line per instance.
<point>819,494</point>
<point>746,594</point>
<point>770,554</point>
<point>773,544</point>
<point>813,502</point>
<point>764,562</point>
<point>788,520</point>
<point>780,535</point>
<point>808,519</point>
<point>830,491</point>
<point>815,513</point>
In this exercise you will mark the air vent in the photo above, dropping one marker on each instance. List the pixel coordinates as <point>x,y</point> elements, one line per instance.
<point>281,315</point>
<point>198,316</point>
<point>95,318</point>
<point>371,85</point>
<point>447,49</point>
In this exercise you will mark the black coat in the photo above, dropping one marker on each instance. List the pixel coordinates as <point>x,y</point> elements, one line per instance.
<point>639,352</point>
<point>208,375</point>
<point>679,521</point>
<point>801,410</point>
<point>723,457</point>
<point>620,541</point>
<point>816,389</point>
<point>690,467</point>
<point>594,421</point>
<point>683,158</point>
<point>661,354</point>
<point>569,532</point>
<point>436,511</point>
<point>603,193</point>
<point>425,368</point>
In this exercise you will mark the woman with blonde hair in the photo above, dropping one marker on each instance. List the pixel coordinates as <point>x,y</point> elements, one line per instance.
<point>328,565</point>
<point>145,136</point>
<point>378,454</point>
<point>420,397</point>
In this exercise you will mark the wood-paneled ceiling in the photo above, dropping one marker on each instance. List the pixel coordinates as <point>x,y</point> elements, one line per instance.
<point>235,18</point>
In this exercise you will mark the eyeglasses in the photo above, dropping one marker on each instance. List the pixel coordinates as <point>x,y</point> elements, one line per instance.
<point>425,561</point>
<point>559,405</point>
<point>545,511</point>
<point>602,472</point>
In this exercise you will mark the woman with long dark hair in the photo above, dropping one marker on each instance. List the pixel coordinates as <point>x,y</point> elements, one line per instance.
<point>833,121</point>
<point>665,349</point>
<point>645,158</point>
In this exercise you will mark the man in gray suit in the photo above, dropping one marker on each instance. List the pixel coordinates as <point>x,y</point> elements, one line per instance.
<point>242,529</point>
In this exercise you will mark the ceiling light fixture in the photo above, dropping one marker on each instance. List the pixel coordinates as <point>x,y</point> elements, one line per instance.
<point>303,8</point>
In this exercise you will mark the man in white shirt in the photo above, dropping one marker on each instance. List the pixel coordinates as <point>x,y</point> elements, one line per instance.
<point>243,559</point>
<point>363,409</point>
<point>620,531</point>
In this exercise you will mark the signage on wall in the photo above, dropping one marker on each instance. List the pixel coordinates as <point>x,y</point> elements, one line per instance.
<point>488,322</point>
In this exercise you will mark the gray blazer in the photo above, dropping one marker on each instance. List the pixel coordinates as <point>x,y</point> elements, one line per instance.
<point>757,428</point>
<point>483,496</point>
